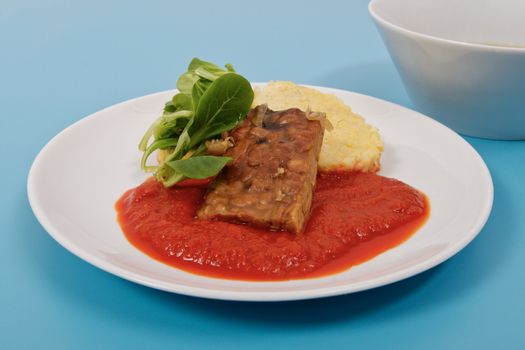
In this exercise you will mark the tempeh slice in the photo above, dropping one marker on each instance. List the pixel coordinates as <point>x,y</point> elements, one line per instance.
<point>271,178</point>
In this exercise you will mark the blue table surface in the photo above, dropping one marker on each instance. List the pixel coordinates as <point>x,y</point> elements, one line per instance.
<point>62,60</point>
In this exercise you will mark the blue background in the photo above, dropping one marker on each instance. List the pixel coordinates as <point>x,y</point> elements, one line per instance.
<point>62,60</point>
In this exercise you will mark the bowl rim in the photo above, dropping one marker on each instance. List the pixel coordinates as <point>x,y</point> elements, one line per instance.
<point>414,34</point>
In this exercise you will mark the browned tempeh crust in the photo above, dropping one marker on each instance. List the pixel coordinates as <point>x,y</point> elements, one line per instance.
<point>272,176</point>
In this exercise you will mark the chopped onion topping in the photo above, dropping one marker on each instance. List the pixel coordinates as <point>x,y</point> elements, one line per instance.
<point>319,116</point>
<point>219,146</point>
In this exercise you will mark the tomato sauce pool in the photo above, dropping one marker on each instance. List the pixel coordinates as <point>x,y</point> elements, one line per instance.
<point>355,217</point>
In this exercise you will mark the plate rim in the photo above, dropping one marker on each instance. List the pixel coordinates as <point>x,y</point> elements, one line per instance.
<point>262,296</point>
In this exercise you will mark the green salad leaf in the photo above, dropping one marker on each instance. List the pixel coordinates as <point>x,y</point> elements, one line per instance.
<point>199,167</point>
<point>210,101</point>
<point>222,106</point>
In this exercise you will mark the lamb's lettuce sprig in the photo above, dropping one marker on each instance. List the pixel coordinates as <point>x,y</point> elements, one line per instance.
<point>210,101</point>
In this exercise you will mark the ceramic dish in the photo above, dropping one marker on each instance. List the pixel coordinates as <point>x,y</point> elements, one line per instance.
<point>462,62</point>
<point>77,177</point>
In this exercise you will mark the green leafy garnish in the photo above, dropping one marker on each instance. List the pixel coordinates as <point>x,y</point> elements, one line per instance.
<point>199,167</point>
<point>211,100</point>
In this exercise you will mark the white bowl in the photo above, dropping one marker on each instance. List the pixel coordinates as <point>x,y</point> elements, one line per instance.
<point>462,62</point>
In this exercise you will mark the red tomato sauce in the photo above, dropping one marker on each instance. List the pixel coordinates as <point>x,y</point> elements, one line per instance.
<point>355,217</point>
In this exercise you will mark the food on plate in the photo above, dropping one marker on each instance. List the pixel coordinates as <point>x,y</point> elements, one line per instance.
<point>285,190</point>
<point>271,178</point>
<point>210,101</point>
<point>352,144</point>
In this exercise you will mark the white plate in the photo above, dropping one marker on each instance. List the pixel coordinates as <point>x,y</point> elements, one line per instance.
<point>76,179</point>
